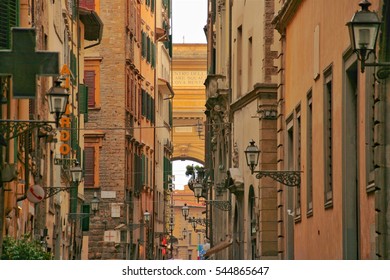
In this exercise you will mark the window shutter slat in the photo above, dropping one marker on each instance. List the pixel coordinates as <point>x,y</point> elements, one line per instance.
<point>89,78</point>
<point>89,160</point>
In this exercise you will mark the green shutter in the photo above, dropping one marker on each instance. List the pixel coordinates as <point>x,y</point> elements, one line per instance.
<point>143,170</point>
<point>143,43</point>
<point>154,55</point>
<point>152,5</point>
<point>149,108</point>
<point>170,112</point>
<point>73,66</point>
<point>148,45</point>
<point>9,17</point>
<point>85,220</point>
<point>73,134</point>
<point>83,101</point>
<point>73,198</point>
<point>153,111</point>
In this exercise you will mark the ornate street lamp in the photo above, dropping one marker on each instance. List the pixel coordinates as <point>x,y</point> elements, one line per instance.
<point>77,173</point>
<point>185,211</point>
<point>149,245</point>
<point>95,203</point>
<point>288,178</point>
<point>252,153</point>
<point>363,32</point>
<point>147,216</point>
<point>58,100</point>
<point>198,188</point>
<point>193,223</point>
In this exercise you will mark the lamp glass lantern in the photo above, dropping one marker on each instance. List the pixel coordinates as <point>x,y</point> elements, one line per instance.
<point>147,216</point>
<point>193,223</point>
<point>252,153</point>
<point>185,211</point>
<point>363,31</point>
<point>184,233</point>
<point>58,100</point>
<point>198,188</point>
<point>171,226</point>
<point>77,173</point>
<point>95,203</point>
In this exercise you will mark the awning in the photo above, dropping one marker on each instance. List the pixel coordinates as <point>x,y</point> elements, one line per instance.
<point>93,25</point>
<point>219,247</point>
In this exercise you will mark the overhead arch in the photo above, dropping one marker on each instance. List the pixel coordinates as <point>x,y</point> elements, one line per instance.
<point>189,72</point>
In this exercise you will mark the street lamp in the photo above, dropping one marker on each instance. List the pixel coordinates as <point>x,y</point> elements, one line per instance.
<point>58,100</point>
<point>149,245</point>
<point>147,216</point>
<point>363,32</point>
<point>185,211</point>
<point>252,154</point>
<point>95,203</point>
<point>77,173</point>
<point>198,188</point>
<point>288,178</point>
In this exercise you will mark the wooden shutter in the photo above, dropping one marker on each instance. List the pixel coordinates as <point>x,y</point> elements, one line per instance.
<point>85,220</point>
<point>83,101</point>
<point>9,15</point>
<point>89,163</point>
<point>89,78</point>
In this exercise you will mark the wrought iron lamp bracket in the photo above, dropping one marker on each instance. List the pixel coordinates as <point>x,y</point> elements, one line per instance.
<point>13,128</point>
<point>288,178</point>
<point>74,216</point>
<point>223,205</point>
<point>50,191</point>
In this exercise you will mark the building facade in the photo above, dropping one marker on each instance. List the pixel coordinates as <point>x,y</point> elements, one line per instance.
<point>38,197</point>
<point>241,106</point>
<point>331,125</point>
<point>128,131</point>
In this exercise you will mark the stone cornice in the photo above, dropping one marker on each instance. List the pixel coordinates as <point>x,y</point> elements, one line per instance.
<point>260,89</point>
<point>286,13</point>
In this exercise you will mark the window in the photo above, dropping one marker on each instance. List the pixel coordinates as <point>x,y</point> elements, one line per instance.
<point>328,137</point>
<point>309,155</point>
<point>250,62</point>
<point>9,16</point>
<point>92,146</point>
<point>297,152</point>
<point>89,166</point>
<point>92,80</point>
<point>239,60</point>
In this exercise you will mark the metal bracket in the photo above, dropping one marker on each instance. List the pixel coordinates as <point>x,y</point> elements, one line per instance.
<point>50,191</point>
<point>14,128</point>
<point>74,216</point>
<point>223,205</point>
<point>288,178</point>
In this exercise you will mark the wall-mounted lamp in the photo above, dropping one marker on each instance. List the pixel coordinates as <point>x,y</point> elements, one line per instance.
<point>288,178</point>
<point>58,100</point>
<point>363,31</point>
<point>185,210</point>
<point>95,203</point>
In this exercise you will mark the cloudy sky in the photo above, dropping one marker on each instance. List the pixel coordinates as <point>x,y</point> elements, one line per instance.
<point>187,27</point>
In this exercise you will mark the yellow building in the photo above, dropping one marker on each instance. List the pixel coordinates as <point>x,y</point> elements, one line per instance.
<point>189,238</point>
<point>189,73</point>
<point>43,157</point>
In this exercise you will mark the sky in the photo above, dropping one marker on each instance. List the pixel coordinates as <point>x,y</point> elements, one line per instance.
<point>188,19</point>
<point>187,27</point>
